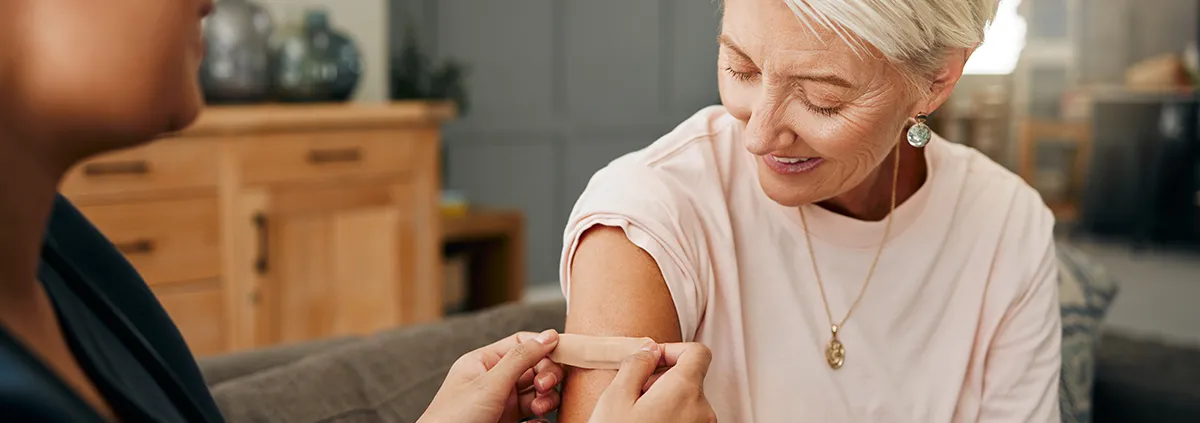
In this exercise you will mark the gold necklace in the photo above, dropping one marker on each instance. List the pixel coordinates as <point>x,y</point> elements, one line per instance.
<point>835,352</point>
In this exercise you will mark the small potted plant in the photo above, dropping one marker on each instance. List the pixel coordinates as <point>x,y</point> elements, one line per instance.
<point>413,77</point>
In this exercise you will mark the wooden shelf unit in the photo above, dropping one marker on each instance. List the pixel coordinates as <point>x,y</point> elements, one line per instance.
<point>494,241</point>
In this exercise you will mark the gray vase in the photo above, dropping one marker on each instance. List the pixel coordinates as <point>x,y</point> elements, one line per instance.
<point>316,63</point>
<point>236,66</point>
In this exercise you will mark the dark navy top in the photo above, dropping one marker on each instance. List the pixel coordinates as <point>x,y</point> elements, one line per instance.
<point>118,332</point>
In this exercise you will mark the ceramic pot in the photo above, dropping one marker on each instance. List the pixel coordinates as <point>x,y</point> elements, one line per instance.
<point>236,66</point>
<point>316,63</point>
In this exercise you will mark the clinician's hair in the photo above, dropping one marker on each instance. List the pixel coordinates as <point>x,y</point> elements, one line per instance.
<point>914,35</point>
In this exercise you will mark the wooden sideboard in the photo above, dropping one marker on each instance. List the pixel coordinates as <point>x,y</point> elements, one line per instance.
<point>263,225</point>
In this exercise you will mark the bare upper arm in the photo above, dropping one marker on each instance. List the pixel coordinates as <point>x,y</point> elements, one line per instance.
<point>616,289</point>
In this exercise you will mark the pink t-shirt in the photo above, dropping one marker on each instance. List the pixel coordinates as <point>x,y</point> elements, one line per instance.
<point>961,323</point>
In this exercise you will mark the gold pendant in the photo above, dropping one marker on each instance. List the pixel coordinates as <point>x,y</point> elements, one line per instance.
<point>835,354</point>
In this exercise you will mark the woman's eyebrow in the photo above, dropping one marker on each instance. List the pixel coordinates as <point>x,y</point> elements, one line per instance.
<point>824,78</point>
<point>724,40</point>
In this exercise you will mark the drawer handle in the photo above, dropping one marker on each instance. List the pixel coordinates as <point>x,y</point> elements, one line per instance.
<point>137,167</point>
<point>342,155</point>
<point>260,263</point>
<point>141,246</point>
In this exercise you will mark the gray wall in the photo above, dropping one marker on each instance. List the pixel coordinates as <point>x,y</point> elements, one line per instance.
<point>558,89</point>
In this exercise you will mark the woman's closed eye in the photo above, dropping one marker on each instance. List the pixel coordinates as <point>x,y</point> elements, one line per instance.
<point>819,97</point>
<point>821,106</point>
<point>741,76</point>
<point>817,108</point>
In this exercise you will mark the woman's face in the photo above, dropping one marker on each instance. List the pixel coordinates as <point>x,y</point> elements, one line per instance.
<point>100,72</point>
<point>819,118</point>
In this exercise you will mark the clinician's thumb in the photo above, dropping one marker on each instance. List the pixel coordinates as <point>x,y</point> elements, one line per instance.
<point>523,357</point>
<point>635,371</point>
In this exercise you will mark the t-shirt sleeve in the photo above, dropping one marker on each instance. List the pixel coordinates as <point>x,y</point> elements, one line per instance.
<point>656,215</point>
<point>1025,358</point>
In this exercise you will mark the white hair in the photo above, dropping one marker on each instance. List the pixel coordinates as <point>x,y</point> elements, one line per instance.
<point>914,35</point>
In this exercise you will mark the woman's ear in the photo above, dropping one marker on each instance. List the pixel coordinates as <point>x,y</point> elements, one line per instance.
<point>946,78</point>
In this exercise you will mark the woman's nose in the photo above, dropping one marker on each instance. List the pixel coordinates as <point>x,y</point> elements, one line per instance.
<point>766,133</point>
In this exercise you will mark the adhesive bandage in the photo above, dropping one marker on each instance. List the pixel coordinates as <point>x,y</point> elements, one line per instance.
<point>595,352</point>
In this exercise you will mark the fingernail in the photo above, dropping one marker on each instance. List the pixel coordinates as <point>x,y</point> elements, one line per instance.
<point>544,337</point>
<point>549,381</point>
<point>650,346</point>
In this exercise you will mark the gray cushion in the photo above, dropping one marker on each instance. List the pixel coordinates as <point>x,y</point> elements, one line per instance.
<point>1085,292</point>
<point>225,367</point>
<point>388,377</point>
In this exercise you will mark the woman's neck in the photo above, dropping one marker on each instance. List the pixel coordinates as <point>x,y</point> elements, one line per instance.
<point>871,200</point>
<point>28,184</point>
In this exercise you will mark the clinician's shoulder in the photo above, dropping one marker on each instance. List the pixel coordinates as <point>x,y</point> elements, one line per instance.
<point>693,160</point>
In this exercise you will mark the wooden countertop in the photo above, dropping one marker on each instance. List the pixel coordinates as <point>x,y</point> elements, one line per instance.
<point>277,117</point>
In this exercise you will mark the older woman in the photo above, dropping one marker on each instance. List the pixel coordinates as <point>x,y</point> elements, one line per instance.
<point>83,339</point>
<point>843,263</point>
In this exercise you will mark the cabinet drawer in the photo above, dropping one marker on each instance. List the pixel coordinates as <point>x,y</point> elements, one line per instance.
<point>199,313</point>
<point>167,241</point>
<point>160,166</point>
<point>320,156</point>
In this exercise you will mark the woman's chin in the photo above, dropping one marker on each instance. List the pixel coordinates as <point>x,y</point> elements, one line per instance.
<point>786,193</point>
<point>786,196</point>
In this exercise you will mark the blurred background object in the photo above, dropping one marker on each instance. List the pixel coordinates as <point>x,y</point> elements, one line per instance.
<point>1191,62</point>
<point>312,62</point>
<point>454,204</point>
<point>236,67</point>
<point>1163,72</point>
<point>303,59</point>
<point>414,77</point>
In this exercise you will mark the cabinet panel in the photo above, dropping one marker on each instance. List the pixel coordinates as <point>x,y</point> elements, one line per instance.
<point>166,241</point>
<point>365,249</point>
<point>199,312</point>
<point>320,156</point>
<point>334,261</point>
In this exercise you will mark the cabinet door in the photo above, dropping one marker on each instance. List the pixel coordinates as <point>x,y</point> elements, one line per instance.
<point>198,310</point>
<point>331,260</point>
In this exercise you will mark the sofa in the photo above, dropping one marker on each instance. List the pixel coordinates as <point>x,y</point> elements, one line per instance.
<point>391,376</point>
<point>387,377</point>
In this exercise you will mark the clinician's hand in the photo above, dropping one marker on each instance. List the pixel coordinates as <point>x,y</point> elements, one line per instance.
<point>504,382</point>
<point>677,396</point>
